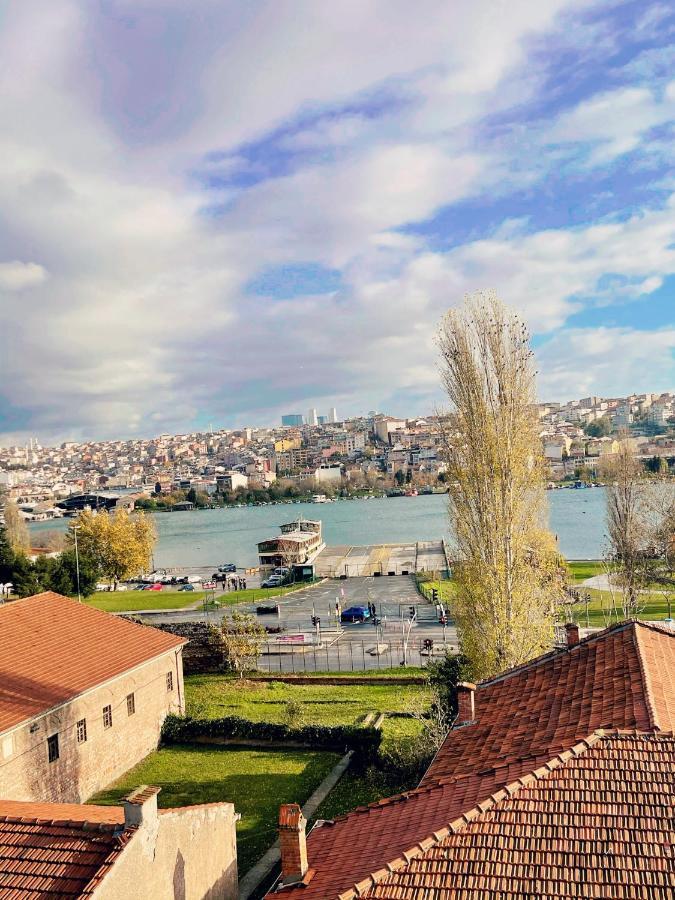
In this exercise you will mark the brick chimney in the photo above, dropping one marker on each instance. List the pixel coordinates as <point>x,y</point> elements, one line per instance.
<point>293,843</point>
<point>465,702</point>
<point>140,807</point>
<point>572,634</point>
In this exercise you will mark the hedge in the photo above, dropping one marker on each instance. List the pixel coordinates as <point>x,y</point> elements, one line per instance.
<point>364,742</point>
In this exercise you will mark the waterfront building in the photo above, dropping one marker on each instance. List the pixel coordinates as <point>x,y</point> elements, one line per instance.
<point>299,543</point>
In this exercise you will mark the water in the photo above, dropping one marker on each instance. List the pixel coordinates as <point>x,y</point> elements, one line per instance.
<point>212,536</point>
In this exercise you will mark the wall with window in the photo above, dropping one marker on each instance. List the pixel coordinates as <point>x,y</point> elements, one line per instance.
<point>77,749</point>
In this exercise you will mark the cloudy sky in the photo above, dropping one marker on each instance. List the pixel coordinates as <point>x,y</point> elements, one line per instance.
<point>219,211</point>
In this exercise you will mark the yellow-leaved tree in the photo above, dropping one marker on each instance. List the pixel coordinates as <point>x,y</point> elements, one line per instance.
<point>119,543</point>
<point>509,575</point>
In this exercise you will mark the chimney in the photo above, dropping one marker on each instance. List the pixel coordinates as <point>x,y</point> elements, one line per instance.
<point>140,807</point>
<point>465,702</point>
<point>572,634</point>
<point>293,843</point>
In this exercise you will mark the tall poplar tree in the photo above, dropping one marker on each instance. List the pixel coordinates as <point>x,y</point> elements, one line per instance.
<point>509,575</point>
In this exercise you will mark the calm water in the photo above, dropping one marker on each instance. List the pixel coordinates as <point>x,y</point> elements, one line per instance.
<point>213,536</point>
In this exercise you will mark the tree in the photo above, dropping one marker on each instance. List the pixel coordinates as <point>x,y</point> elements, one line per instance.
<point>17,530</point>
<point>7,557</point>
<point>508,574</point>
<point>240,637</point>
<point>62,574</point>
<point>119,544</point>
<point>600,428</point>
<point>625,496</point>
<point>191,496</point>
<point>400,477</point>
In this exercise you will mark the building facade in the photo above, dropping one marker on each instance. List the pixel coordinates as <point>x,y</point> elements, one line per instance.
<point>83,695</point>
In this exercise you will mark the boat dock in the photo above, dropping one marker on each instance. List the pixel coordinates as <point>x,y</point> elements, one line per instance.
<point>381,559</point>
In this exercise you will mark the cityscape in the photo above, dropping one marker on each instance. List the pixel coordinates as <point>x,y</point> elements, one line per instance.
<point>337,450</point>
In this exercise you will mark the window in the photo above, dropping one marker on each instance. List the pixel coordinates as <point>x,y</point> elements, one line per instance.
<point>169,681</point>
<point>131,704</point>
<point>81,731</point>
<point>107,716</point>
<point>53,747</point>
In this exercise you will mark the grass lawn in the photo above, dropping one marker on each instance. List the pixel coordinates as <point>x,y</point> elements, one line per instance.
<point>212,696</point>
<point>446,589</point>
<point>601,612</point>
<point>582,569</point>
<point>256,781</point>
<point>128,601</point>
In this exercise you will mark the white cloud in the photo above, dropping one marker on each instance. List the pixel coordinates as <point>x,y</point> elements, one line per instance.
<point>614,122</point>
<point>606,362</point>
<point>15,275</point>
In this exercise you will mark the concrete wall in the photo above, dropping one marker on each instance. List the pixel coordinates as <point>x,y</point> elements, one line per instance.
<point>82,769</point>
<point>185,854</point>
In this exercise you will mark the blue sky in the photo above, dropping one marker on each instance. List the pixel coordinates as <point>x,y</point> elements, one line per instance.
<point>223,212</point>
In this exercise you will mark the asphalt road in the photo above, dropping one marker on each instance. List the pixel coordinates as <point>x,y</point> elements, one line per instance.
<point>331,646</point>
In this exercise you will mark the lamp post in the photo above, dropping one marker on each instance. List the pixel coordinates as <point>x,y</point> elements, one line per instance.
<point>77,563</point>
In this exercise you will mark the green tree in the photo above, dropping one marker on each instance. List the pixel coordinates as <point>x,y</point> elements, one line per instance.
<point>600,428</point>
<point>400,477</point>
<point>508,579</point>
<point>7,557</point>
<point>62,574</point>
<point>16,528</point>
<point>241,638</point>
<point>119,544</point>
<point>191,496</point>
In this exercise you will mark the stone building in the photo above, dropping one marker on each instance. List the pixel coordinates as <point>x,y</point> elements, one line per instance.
<point>83,695</point>
<point>112,852</point>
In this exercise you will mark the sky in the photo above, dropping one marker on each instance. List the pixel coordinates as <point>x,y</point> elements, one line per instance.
<point>218,212</point>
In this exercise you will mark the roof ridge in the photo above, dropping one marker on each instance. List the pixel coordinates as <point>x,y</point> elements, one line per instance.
<point>79,824</point>
<point>372,879</point>
<point>646,679</point>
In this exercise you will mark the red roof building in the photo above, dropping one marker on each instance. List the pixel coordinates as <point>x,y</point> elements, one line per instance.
<point>83,695</point>
<point>558,782</point>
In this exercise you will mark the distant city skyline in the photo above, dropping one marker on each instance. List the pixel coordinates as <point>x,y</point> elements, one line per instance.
<point>254,208</point>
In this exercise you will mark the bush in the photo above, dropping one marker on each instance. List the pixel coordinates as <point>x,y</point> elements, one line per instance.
<point>293,713</point>
<point>364,742</point>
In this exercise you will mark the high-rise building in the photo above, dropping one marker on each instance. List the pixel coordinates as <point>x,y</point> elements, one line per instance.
<point>312,418</point>
<point>293,420</point>
<point>332,417</point>
<point>322,420</point>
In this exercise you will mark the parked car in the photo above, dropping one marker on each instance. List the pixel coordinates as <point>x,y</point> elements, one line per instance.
<point>153,587</point>
<point>227,567</point>
<point>186,587</point>
<point>282,570</point>
<point>355,614</point>
<point>273,581</point>
<point>140,587</point>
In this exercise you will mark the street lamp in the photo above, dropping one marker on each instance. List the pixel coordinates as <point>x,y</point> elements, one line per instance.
<point>76,528</point>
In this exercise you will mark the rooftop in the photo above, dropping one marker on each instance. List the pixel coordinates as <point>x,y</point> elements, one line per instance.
<point>53,648</point>
<point>561,787</point>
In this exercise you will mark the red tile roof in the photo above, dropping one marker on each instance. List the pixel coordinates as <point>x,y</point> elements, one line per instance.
<point>53,648</point>
<point>56,849</point>
<point>531,723</point>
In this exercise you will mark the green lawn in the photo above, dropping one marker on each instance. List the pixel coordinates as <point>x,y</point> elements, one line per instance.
<point>582,569</point>
<point>446,589</point>
<point>256,781</point>
<point>601,612</point>
<point>212,696</point>
<point>128,601</point>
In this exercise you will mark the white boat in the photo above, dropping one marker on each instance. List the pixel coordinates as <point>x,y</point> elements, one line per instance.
<point>319,498</point>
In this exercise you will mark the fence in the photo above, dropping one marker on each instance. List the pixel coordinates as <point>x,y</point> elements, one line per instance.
<point>352,656</point>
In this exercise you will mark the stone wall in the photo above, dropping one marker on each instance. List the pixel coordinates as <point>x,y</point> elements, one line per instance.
<point>85,767</point>
<point>200,655</point>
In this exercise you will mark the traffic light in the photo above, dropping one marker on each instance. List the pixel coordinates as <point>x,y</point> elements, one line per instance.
<point>428,644</point>
<point>443,619</point>
<point>412,612</point>
<point>316,620</point>
<point>434,595</point>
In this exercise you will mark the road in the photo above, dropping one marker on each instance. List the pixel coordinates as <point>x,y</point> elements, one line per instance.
<point>329,646</point>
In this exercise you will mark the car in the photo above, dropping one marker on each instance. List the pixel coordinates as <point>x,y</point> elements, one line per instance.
<point>140,587</point>
<point>153,587</point>
<point>227,567</point>
<point>355,614</point>
<point>273,581</point>
<point>186,587</point>
<point>281,570</point>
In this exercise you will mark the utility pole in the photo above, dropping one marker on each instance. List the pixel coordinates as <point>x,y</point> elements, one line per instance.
<point>77,563</point>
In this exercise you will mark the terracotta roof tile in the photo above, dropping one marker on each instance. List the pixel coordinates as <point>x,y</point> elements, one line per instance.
<point>53,648</point>
<point>57,849</point>
<point>536,736</point>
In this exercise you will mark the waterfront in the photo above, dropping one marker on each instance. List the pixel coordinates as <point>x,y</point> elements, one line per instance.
<point>212,536</point>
